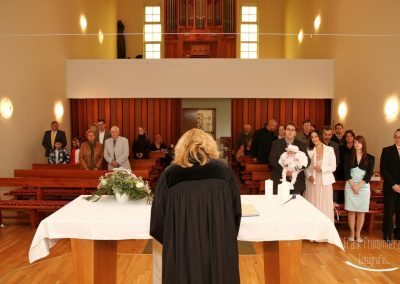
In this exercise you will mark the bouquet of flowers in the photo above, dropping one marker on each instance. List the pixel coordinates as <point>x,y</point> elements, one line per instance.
<point>122,181</point>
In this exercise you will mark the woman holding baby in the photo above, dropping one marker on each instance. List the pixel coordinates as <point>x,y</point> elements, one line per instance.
<point>319,175</point>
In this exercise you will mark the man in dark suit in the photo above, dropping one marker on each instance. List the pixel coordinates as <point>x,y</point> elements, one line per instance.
<point>390,171</point>
<point>262,140</point>
<point>278,147</point>
<point>327,135</point>
<point>52,135</point>
<point>102,134</point>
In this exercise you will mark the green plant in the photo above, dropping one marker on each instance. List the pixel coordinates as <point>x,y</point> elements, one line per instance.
<point>122,181</point>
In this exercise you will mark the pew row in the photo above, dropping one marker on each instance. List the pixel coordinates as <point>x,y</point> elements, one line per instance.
<point>38,186</point>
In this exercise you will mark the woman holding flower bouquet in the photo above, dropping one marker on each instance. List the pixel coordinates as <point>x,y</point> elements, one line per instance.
<point>196,214</point>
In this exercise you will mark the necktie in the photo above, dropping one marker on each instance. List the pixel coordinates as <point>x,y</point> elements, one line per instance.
<point>92,145</point>
<point>53,138</point>
<point>114,142</point>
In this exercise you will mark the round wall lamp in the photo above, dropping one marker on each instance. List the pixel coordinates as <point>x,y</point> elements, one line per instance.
<point>6,108</point>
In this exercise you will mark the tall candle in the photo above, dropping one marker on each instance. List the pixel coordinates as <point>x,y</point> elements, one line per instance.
<point>268,188</point>
<point>284,190</point>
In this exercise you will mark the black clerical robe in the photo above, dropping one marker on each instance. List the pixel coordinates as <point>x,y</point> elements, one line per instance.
<point>196,216</point>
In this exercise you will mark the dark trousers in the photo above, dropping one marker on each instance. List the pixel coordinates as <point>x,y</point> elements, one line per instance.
<point>391,206</point>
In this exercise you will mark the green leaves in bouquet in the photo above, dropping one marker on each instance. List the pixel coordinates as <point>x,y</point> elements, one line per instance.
<point>122,181</point>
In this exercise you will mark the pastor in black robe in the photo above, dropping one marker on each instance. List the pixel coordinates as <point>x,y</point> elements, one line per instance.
<point>196,215</point>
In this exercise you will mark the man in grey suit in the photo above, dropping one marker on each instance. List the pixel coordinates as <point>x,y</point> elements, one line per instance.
<point>116,150</point>
<point>277,148</point>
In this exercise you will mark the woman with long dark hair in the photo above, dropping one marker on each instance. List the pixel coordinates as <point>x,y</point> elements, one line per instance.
<point>358,169</point>
<point>345,149</point>
<point>141,145</point>
<point>319,174</point>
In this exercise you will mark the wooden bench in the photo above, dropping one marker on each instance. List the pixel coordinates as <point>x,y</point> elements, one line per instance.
<point>375,207</point>
<point>33,206</point>
<point>39,184</point>
<point>52,186</point>
<point>83,174</point>
<point>56,173</point>
<point>55,166</point>
<point>257,182</point>
<point>249,168</point>
<point>156,155</point>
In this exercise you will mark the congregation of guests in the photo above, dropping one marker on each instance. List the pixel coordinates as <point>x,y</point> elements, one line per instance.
<point>333,154</point>
<point>102,148</point>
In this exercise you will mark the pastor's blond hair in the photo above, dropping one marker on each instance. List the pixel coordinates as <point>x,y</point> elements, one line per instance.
<point>195,146</point>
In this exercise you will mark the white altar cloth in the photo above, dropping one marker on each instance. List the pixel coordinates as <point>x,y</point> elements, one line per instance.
<point>108,219</point>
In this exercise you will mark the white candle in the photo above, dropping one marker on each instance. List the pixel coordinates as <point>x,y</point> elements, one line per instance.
<point>284,190</point>
<point>268,188</point>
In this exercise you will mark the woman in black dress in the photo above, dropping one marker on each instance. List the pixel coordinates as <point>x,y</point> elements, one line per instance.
<point>346,148</point>
<point>196,214</point>
<point>158,145</point>
<point>141,145</point>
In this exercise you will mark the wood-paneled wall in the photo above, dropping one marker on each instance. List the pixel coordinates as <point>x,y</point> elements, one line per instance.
<point>257,111</point>
<point>157,116</point>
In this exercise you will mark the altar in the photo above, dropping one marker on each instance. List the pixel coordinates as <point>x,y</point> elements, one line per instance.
<point>95,227</point>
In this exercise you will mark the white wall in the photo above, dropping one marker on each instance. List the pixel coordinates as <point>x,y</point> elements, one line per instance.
<point>32,68</point>
<point>223,109</point>
<point>366,67</point>
<point>203,78</point>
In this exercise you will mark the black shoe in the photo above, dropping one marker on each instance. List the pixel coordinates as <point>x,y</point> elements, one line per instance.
<point>387,237</point>
<point>396,234</point>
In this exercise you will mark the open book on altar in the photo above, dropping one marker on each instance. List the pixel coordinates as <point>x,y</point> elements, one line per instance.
<point>248,210</point>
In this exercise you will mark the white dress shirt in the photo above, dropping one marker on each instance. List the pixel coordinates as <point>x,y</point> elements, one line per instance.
<point>101,136</point>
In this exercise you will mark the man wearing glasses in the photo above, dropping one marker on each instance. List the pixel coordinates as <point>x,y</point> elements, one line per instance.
<point>278,147</point>
<point>102,133</point>
<point>390,171</point>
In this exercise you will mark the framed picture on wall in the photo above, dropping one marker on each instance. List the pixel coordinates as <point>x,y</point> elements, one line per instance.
<point>204,119</point>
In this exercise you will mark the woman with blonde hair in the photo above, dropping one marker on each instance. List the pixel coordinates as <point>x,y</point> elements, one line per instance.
<point>196,214</point>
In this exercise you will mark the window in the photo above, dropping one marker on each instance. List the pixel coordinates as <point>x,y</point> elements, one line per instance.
<point>152,32</point>
<point>249,33</point>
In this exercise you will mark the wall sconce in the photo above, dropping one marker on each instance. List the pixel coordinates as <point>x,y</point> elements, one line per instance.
<point>391,108</point>
<point>101,37</point>
<point>58,110</point>
<point>6,108</point>
<point>342,110</point>
<point>317,23</point>
<point>300,36</point>
<point>83,23</point>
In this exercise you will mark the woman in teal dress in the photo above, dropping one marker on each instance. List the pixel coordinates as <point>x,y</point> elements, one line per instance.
<point>358,169</point>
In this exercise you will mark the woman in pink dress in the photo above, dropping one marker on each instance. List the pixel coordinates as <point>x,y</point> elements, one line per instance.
<point>319,175</point>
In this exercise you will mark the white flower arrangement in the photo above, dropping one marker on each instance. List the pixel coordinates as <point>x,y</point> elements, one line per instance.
<point>122,181</point>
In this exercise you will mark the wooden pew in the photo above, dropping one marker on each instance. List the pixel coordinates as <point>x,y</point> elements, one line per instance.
<point>375,207</point>
<point>156,155</point>
<point>247,169</point>
<point>33,206</point>
<point>57,166</point>
<point>257,181</point>
<point>55,173</point>
<point>39,185</point>
<point>83,174</point>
